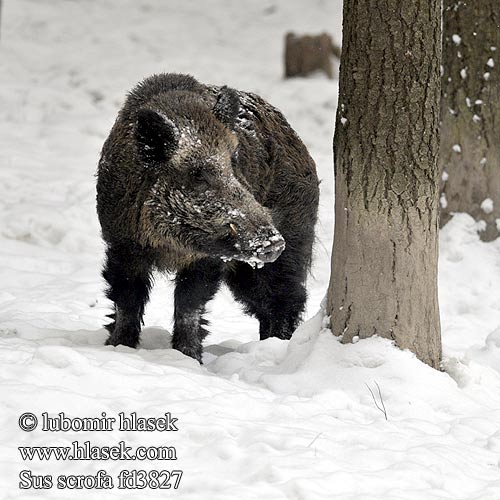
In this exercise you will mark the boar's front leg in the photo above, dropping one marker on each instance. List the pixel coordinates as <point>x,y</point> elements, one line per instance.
<point>195,285</point>
<point>128,273</point>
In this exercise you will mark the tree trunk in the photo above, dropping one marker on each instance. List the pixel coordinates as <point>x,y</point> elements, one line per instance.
<point>386,144</point>
<point>470,113</point>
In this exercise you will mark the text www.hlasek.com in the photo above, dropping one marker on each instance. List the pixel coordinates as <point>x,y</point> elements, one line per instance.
<point>85,451</point>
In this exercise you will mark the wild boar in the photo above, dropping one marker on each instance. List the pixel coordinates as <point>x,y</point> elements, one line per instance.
<point>211,184</point>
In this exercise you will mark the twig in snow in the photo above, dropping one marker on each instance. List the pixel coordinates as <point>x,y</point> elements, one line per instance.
<point>314,440</point>
<point>380,406</point>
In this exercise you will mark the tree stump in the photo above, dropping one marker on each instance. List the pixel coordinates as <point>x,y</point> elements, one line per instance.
<point>307,54</point>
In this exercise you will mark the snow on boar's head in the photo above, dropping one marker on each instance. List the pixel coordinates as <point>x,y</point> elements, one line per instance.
<point>195,199</point>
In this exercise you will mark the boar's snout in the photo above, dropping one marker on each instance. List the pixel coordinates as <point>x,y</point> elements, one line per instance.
<point>268,249</point>
<point>260,246</point>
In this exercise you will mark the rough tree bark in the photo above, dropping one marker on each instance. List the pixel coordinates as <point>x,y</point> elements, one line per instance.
<point>470,113</point>
<point>386,144</point>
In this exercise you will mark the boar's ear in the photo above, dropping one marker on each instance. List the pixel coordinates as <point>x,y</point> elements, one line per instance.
<point>156,136</point>
<point>227,106</point>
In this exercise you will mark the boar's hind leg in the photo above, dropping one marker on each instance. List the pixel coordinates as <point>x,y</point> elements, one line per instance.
<point>195,285</point>
<point>275,295</point>
<point>128,274</point>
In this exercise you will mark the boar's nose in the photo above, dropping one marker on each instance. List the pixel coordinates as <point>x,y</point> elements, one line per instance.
<point>267,248</point>
<point>262,244</point>
<point>270,249</point>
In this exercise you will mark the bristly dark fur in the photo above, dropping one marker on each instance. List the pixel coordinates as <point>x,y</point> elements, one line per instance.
<point>199,180</point>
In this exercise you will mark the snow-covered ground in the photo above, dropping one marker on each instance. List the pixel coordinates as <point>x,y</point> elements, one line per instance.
<point>260,420</point>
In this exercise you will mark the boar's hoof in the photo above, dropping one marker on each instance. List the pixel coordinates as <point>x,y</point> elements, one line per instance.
<point>129,339</point>
<point>193,351</point>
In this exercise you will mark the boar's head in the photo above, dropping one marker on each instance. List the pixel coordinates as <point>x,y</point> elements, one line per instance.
<point>194,198</point>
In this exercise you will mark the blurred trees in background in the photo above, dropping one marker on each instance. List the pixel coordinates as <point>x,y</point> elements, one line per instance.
<point>386,146</point>
<point>470,112</point>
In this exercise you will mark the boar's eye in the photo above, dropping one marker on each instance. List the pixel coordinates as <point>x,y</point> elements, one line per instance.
<point>200,176</point>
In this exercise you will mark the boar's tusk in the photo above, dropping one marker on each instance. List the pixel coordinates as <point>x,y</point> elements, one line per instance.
<point>233,229</point>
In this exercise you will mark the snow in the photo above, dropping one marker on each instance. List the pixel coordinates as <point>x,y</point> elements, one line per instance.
<point>443,201</point>
<point>487,205</point>
<point>456,39</point>
<point>490,62</point>
<point>267,420</point>
<point>456,148</point>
